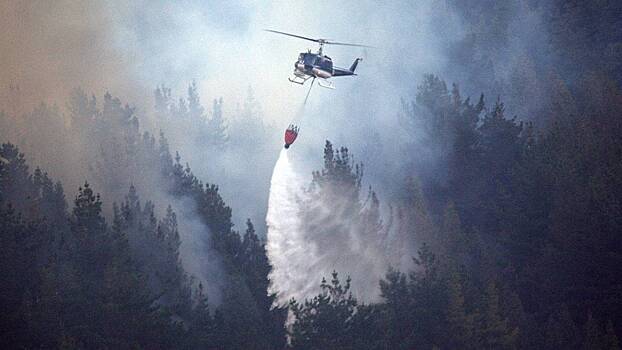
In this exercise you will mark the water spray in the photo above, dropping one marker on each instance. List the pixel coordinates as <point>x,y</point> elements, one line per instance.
<point>288,250</point>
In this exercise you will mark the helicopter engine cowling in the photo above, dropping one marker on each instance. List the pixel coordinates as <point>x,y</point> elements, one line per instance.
<point>321,73</point>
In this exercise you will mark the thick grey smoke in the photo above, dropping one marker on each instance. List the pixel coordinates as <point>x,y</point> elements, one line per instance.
<point>49,48</point>
<point>198,257</point>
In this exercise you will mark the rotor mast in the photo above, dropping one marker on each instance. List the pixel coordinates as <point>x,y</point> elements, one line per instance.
<point>321,42</point>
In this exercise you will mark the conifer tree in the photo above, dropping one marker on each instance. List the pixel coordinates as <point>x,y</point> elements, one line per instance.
<point>493,330</point>
<point>216,126</point>
<point>610,340</point>
<point>325,321</point>
<point>460,323</point>
<point>196,112</point>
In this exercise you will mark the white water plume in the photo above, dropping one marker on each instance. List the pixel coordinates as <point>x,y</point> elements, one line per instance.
<point>290,253</point>
<point>302,253</point>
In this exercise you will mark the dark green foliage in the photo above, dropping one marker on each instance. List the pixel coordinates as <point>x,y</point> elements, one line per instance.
<point>521,228</point>
<point>426,309</point>
<point>247,308</point>
<point>560,330</point>
<point>610,340</point>
<point>245,303</point>
<point>101,295</point>
<point>493,331</point>
<point>528,211</point>
<point>327,321</point>
<point>155,247</point>
<point>586,36</point>
<point>80,283</point>
<point>257,267</point>
<point>518,228</point>
<point>460,324</point>
<point>21,244</point>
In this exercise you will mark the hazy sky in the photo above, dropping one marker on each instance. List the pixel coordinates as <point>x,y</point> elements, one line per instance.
<point>130,48</point>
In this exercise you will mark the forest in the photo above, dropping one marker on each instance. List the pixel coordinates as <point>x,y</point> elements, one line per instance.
<point>505,233</point>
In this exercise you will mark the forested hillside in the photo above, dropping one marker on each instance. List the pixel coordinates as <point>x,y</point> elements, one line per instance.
<point>485,214</point>
<point>518,233</point>
<point>76,279</point>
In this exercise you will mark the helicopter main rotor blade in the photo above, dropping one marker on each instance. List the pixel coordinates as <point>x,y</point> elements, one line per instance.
<point>321,41</point>
<point>346,44</point>
<point>294,35</point>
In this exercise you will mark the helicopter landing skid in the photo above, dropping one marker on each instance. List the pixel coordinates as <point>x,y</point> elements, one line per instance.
<point>298,79</point>
<point>326,84</point>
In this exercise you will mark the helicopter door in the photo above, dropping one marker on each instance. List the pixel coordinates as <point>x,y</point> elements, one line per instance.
<point>310,59</point>
<point>326,64</point>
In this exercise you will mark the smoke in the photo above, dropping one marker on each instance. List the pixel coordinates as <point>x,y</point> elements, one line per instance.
<point>128,49</point>
<point>50,47</point>
<point>198,257</point>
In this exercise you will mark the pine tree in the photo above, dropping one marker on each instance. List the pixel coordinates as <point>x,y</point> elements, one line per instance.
<point>216,126</point>
<point>396,309</point>
<point>493,331</point>
<point>325,322</point>
<point>21,244</point>
<point>561,331</point>
<point>610,340</point>
<point>593,336</point>
<point>180,111</point>
<point>460,323</point>
<point>453,241</point>
<point>155,249</point>
<point>14,183</point>
<point>196,112</point>
<point>202,327</point>
<point>163,102</point>
<point>103,294</point>
<point>371,226</point>
<point>427,288</point>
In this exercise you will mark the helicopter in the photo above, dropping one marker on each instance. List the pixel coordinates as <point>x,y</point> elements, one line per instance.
<point>317,65</point>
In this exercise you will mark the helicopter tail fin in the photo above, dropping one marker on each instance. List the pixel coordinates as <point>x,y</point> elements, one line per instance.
<point>353,66</point>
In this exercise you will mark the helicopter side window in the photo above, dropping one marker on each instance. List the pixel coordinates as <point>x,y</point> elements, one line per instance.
<point>326,64</point>
<point>310,59</point>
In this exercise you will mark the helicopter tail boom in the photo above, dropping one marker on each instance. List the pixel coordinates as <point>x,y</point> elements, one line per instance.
<point>340,72</point>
